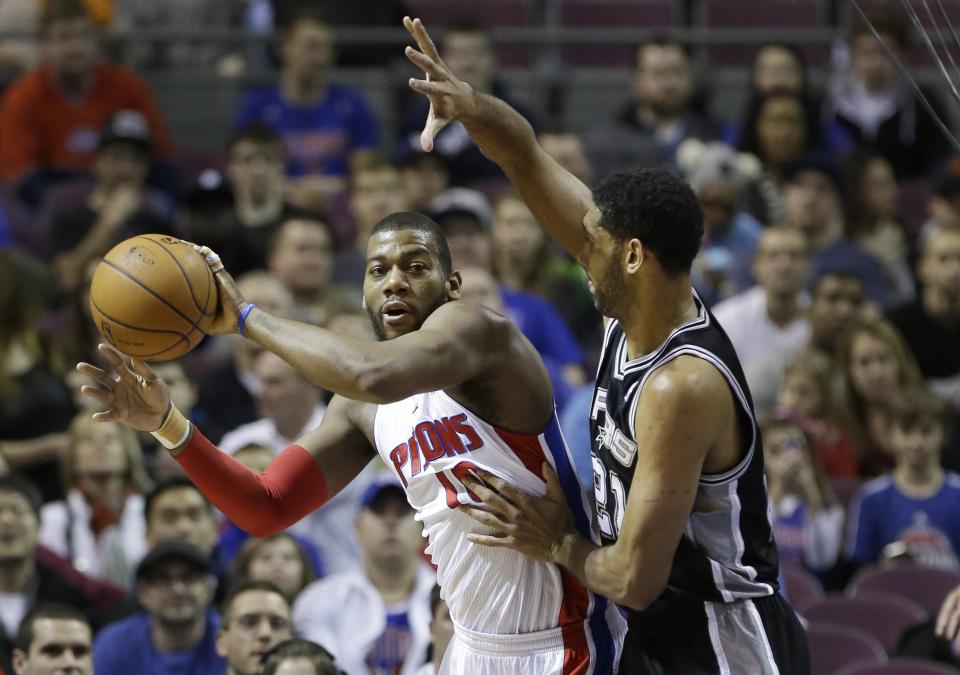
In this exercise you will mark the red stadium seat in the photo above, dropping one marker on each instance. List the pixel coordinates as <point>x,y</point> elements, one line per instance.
<point>899,667</point>
<point>882,615</point>
<point>927,587</point>
<point>802,587</point>
<point>492,13</point>
<point>834,645</point>
<point>599,14</point>
<point>758,15</point>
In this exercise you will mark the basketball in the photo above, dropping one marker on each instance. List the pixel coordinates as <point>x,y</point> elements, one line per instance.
<point>153,297</point>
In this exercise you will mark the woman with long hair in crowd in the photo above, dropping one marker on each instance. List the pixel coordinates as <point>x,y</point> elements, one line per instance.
<point>99,526</point>
<point>876,364</point>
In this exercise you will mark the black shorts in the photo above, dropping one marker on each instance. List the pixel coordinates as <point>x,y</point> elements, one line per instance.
<point>748,637</point>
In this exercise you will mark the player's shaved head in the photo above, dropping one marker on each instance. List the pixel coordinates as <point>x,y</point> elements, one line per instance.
<point>411,220</point>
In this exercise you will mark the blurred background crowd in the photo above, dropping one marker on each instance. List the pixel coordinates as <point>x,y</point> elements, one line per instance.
<point>278,133</point>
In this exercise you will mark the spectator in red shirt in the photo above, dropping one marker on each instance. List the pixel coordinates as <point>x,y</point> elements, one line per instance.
<point>50,118</point>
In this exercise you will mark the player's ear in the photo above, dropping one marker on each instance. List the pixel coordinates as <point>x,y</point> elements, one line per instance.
<point>454,285</point>
<point>636,255</point>
<point>363,303</point>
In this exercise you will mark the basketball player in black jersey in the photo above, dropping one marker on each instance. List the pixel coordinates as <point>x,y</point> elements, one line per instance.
<point>681,503</point>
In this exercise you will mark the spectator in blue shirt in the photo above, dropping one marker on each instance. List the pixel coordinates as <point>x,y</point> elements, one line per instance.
<point>325,126</point>
<point>914,511</point>
<point>177,632</point>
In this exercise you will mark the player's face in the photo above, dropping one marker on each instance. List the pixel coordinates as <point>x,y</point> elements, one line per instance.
<point>59,647</point>
<point>600,260</point>
<point>18,527</point>
<point>404,282</point>
<point>258,620</point>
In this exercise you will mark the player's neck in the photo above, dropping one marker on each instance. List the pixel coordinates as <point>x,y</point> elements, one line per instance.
<point>660,308</point>
<point>15,575</point>
<point>394,582</point>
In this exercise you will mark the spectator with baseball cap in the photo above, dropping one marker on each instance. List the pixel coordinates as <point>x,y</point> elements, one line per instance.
<point>375,619</point>
<point>177,631</point>
<point>85,219</point>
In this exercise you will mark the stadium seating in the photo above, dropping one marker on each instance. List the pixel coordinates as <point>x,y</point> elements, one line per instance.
<point>882,615</point>
<point>834,646</point>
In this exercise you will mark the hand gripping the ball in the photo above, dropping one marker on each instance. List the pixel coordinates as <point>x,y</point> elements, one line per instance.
<point>230,302</point>
<point>131,393</point>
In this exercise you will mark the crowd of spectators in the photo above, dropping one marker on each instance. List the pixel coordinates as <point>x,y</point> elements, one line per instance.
<point>843,306</point>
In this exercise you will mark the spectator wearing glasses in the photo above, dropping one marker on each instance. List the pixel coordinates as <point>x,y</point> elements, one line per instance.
<point>177,631</point>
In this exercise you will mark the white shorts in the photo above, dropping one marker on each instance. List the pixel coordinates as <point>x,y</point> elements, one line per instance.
<point>542,653</point>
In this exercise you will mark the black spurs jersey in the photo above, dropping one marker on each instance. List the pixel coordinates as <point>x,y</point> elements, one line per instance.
<point>727,550</point>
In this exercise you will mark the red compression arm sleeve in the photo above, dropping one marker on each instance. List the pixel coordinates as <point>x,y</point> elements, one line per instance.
<point>260,504</point>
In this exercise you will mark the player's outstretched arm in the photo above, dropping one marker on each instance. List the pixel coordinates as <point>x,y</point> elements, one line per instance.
<point>298,481</point>
<point>556,197</point>
<point>457,343</point>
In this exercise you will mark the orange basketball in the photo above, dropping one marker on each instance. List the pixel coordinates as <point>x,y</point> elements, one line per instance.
<point>153,297</point>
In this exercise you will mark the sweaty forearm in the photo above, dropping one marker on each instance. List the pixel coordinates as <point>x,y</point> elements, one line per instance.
<point>603,570</point>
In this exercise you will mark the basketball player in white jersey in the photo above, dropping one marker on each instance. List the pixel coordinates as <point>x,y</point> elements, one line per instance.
<point>450,387</point>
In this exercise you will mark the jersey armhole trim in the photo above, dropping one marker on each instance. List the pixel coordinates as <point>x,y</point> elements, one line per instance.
<point>698,352</point>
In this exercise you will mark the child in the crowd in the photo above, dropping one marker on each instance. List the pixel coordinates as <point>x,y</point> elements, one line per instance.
<point>807,520</point>
<point>807,393</point>
<point>914,511</point>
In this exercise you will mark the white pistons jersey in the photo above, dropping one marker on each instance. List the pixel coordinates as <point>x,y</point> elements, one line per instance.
<point>432,442</point>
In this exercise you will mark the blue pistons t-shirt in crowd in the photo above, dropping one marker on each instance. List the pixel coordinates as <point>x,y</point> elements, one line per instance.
<point>318,138</point>
<point>930,528</point>
<point>388,653</point>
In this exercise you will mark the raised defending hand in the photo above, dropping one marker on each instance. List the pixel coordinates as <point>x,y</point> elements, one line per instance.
<point>450,97</point>
<point>230,301</point>
<point>131,393</point>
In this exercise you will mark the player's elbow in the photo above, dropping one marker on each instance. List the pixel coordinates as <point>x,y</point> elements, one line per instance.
<point>382,384</point>
<point>639,591</point>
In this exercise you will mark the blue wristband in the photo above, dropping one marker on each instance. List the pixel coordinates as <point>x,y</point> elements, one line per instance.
<point>243,317</point>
